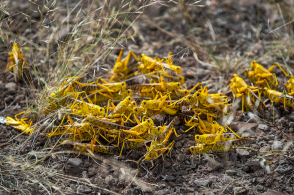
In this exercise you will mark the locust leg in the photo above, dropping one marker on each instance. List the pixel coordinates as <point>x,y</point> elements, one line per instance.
<point>51,134</point>
<point>127,60</point>
<point>102,80</point>
<point>169,147</point>
<point>276,64</point>
<point>198,84</point>
<point>200,124</point>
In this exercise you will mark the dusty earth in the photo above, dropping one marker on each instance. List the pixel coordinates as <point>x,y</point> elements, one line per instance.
<point>227,36</point>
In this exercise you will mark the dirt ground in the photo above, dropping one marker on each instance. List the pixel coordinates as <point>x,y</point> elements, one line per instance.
<point>225,37</point>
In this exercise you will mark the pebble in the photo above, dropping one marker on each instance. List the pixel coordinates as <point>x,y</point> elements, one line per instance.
<point>178,145</point>
<point>277,145</point>
<point>265,148</point>
<point>170,178</point>
<point>213,166</point>
<point>92,171</point>
<point>255,146</point>
<point>84,174</point>
<point>11,86</point>
<point>242,153</point>
<point>180,157</point>
<point>243,125</point>
<point>161,192</point>
<point>108,179</point>
<point>273,192</point>
<point>260,180</point>
<point>74,161</point>
<point>259,187</point>
<point>18,98</point>
<point>251,166</point>
<point>8,99</point>
<point>202,182</point>
<point>291,124</point>
<point>239,190</point>
<point>291,116</point>
<point>84,190</point>
<point>284,168</point>
<point>282,121</point>
<point>231,172</point>
<point>157,119</point>
<point>227,179</point>
<point>263,127</point>
<point>290,189</point>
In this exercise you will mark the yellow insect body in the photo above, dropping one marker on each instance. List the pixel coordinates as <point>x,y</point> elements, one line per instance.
<point>264,77</point>
<point>201,148</point>
<point>17,62</point>
<point>83,108</point>
<point>241,90</point>
<point>20,125</point>
<point>277,96</point>
<point>211,138</point>
<point>290,86</point>
<point>84,147</point>
<point>121,69</point>
<point>159,145</point>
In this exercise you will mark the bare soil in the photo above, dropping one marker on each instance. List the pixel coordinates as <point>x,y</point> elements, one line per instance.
<point>227,35</point>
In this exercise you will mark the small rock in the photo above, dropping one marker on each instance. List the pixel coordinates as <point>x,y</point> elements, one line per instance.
<point>92,171</point>
<point>290,189</point>
<point>170,178</point>
<point>11,86</point>
<point>8,99</point>
<point>161,192</point>
<point>190,75</point>
<point>265,148</point>
<point>263,127</point>
<point>227,179</point>
<point>252,166</point>
<point>167,164</point>
<point>284,168</point>
<point>282,121</point>
<point>85,190</point>
<point>255,146</point>
<point>274,113</point>
<point>260,180</point>
<point>291,116</point>
<point>231,172</point>
<point>157,119</point>
<point>202,182</point>
<point>213,166</point>
<point>273,192</point>
<point>115,174</point>
<point>259,187</point>
<point>18,98</point>
<point>277,145</point>
<point>243,125</point>
<point>242,153</point>
<point>84,174</point>
<point>74,161</point>
<point>108,180</point>
<point>239,190</point>
<point>180,157</point>
<point>178,145</point>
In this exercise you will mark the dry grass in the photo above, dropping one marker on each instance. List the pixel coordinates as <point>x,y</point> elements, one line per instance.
<point>77,40</point>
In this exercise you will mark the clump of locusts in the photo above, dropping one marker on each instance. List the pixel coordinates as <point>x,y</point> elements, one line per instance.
<point>117,114</point>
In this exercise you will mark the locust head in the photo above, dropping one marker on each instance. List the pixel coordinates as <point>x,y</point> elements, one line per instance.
<point>253,65</point>
<point>152,155</point>
<point>118,67</point>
